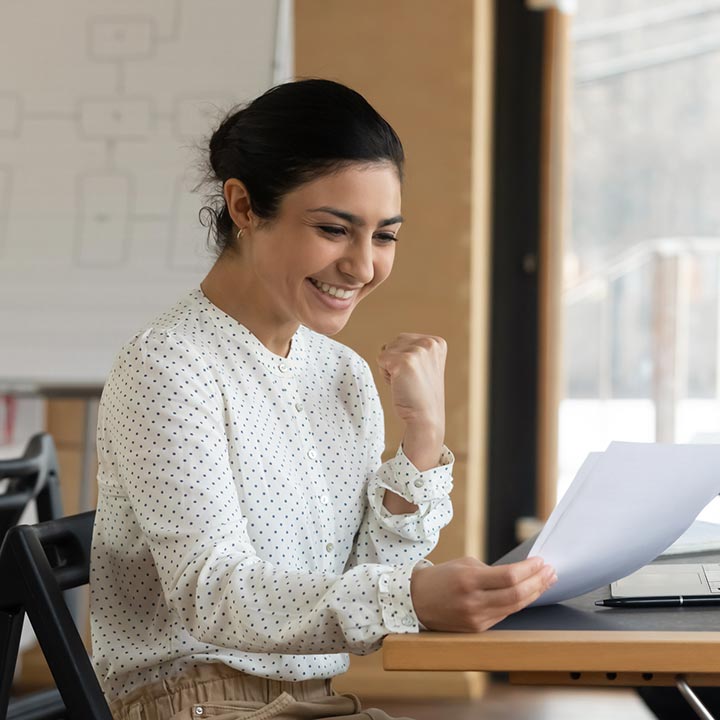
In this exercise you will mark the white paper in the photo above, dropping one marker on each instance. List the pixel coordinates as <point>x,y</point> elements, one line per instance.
<point>624,507</point>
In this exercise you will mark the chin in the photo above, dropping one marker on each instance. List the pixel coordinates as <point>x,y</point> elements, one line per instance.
<point>328,328</point>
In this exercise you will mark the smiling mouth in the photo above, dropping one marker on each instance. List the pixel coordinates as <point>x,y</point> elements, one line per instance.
<point>332,290</point>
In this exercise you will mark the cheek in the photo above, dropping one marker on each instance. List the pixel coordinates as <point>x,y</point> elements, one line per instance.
<point>384,265</point>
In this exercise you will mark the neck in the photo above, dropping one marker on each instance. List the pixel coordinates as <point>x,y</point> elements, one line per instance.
<point>230,287</point>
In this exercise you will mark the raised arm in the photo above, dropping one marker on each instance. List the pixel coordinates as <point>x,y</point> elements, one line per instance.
<point>408,499</point>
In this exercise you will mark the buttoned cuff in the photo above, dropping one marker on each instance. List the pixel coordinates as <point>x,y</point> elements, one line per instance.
<point>404,479</point>
<point>395,600</point>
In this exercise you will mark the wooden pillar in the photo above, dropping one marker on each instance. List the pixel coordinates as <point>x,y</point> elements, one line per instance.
<point>553,222</point>
<point>426,67</point>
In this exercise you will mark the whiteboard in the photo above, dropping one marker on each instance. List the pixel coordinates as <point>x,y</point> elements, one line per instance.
<point>101,107</point>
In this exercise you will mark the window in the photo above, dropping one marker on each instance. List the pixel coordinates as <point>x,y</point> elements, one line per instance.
<point>641,307</point>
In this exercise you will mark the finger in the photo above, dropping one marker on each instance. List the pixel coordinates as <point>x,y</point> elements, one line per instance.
<point>521,595</point>
<point>504,576</point>
<point>387,364</point>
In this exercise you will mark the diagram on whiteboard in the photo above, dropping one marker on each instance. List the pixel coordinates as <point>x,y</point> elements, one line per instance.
<point>103,122</point>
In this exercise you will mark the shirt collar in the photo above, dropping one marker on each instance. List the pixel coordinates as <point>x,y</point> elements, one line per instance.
<point>276,364</point>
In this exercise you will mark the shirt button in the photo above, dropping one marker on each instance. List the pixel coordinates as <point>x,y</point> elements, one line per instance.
<point>324,499</point>
<point>329,547</point>
<point>419,483</point>
<point>312,454</point>
<point>299,407</point>
<point>283,367</point>
<point>407,621</point>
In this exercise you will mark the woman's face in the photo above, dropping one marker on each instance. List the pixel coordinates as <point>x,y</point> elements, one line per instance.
<point>331,244</point>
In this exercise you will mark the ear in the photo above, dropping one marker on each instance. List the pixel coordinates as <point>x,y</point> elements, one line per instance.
<point>237,200</point>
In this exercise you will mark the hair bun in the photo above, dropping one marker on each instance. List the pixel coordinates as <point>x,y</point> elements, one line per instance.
<point>218,143</point>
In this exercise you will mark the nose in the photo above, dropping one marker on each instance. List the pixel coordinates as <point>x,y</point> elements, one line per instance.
<point>358,262</point>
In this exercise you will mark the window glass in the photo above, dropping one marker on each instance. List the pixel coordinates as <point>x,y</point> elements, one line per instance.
<point>641,269</point>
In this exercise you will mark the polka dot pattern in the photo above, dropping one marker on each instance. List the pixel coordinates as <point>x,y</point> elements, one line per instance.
<point>240,515</point>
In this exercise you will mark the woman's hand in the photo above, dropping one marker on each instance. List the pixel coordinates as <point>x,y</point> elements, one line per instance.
<point>414,367</point>
<point>465,595</point>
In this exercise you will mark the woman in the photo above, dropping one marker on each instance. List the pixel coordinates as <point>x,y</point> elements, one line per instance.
<point>247,534</point>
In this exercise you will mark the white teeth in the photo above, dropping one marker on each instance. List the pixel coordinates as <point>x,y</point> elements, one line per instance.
<point>332,290</point>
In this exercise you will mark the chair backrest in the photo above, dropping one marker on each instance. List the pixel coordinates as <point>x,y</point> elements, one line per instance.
<point>34,476</point>
<point>38,562</point>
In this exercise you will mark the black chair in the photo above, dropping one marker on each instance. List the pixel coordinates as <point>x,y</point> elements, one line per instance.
<point>40,705</point>
<point>38,562</point>
<point>34,476</point>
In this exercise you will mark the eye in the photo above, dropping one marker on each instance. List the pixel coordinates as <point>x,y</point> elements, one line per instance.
<point>334,230</point>
<point>386,237</point>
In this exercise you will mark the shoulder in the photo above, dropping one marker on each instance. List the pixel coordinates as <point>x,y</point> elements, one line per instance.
<point>170,342</point>
<point>187,319</point>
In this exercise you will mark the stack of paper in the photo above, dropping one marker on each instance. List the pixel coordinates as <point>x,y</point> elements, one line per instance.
<point>699,537</point>
<point>624,507</point>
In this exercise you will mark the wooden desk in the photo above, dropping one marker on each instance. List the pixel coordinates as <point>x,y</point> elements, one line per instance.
<point>561,657</point>
<point>578,643</point>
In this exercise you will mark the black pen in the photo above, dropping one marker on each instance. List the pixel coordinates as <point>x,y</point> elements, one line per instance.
<point>651,602</point>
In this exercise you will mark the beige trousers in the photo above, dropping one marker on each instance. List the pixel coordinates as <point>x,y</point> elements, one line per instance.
<point>222,693</point>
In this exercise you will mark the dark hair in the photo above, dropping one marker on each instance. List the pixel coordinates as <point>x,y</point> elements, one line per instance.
<point>290,135</point>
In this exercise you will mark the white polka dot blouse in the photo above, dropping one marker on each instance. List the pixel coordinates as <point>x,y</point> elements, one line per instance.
<point>240,516</point>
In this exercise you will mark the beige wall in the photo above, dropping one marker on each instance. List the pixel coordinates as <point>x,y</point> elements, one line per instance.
<point>424,66</point>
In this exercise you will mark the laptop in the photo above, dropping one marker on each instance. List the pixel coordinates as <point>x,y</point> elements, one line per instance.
<point>670,580</point>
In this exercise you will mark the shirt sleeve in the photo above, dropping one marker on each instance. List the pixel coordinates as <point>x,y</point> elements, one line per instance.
<point>166,431</point>
<point>398,539</point>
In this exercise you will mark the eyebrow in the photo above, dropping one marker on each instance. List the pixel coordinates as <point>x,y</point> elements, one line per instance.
<point>355,219</point>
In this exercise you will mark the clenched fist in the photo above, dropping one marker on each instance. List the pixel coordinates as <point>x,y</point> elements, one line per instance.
<point>414,366</point>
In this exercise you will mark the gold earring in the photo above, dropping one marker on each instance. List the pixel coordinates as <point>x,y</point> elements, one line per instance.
<point>239,233</point>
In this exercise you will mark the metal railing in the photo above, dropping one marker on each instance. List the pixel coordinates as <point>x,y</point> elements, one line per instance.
<point>671,262</point>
